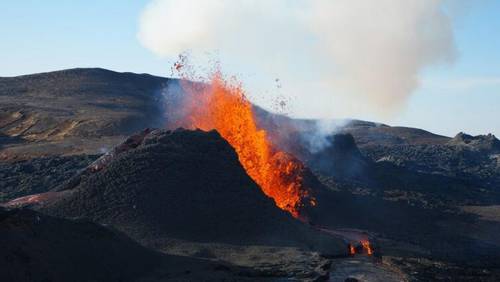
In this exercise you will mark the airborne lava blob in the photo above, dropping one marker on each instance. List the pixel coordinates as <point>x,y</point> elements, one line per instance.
<point>223,106</point>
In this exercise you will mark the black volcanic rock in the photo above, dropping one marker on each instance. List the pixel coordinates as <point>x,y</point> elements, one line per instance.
<point>340,158</point>
<point>488,143</point>
<point>344,143</point>
<point>475,160</point>
<point>25,177</point>
<point>36,247</point>
<point>370,133</point>
<point>185,185</point>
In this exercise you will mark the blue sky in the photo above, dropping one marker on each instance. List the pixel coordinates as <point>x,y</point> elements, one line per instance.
<point>466,95</point>
<point>39,36</point>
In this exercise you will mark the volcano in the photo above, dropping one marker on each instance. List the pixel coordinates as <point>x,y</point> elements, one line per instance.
<point>428,204</point>
<point>223,106</point>
<point>179,184</point>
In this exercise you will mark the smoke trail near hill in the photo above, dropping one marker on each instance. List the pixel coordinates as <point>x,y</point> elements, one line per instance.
<point>333,56</point>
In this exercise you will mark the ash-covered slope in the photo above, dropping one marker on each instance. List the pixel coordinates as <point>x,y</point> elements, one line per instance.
<point>180,184</point>
<point>35,247</point>
<point>74,111</point>
<point>370,133</point>
<point>485,143</point>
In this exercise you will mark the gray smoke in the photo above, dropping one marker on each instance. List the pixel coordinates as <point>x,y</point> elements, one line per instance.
<point>335,58</point>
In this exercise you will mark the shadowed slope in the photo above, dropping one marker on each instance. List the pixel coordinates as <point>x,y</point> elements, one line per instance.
<point>35,247</point>
<point>181,184</point>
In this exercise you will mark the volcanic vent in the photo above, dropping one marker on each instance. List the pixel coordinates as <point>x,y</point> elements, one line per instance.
<point>223,106</point>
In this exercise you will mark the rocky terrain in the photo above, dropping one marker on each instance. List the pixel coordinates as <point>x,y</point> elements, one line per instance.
<point>185,192</point>
<point>37,247</point>
<point>432,201</point>
<point>204,197</point>
<point>25,177</point>
<point>76,111</point>
<point>428,203</point>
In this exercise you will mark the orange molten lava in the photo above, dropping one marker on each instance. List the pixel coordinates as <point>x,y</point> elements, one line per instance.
<point>352,250</point>
<point>224,107</point>
<point>367,247</point>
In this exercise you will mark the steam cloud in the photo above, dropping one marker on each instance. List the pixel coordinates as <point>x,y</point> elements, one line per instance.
<point>334,57</point>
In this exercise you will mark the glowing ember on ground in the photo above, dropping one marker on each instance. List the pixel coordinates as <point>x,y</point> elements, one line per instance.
<point>359,242</point>
<point>223,106</point>
<point>352,250</point>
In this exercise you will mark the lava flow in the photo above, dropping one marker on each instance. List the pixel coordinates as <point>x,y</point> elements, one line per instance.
<point>367,247</point>
<point>224,107</point>
<point>364,247</point>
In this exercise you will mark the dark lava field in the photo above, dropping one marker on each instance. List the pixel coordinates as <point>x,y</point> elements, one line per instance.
<point>96,187</point>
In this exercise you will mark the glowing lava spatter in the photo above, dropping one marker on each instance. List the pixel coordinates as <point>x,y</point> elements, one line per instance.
<point>367,247</point>
<point>364,247</point>
<point>224,107</point>
<point>352,250</point>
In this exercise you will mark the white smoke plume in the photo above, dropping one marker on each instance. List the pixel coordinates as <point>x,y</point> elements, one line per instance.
<point>335,58</point>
